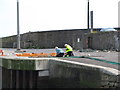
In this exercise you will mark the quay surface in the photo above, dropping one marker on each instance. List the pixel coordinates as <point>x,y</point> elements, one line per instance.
<point>108,55</point>
<point>54,72</point>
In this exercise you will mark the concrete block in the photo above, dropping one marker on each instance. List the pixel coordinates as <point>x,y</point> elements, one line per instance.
<point>24,63</point>
<point>81,75</point>
<point>43,73</point>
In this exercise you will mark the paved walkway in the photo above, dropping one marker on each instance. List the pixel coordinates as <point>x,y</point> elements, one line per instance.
<point>109,56</point>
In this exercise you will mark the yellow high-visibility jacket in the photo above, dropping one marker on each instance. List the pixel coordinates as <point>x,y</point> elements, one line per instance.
<point>69,48</point>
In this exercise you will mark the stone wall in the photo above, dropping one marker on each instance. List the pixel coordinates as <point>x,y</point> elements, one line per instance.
<point>9,42</point>
<point>46,39</point>
<point>79,39</point>
<point>104,40</point>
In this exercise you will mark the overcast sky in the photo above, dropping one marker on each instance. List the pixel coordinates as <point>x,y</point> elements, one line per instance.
<point>42,15</point>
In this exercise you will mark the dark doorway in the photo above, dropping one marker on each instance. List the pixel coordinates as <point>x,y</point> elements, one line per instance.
<point>90,42</point>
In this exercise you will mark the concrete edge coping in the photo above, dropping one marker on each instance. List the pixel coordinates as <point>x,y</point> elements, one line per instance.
<point>107,70</point>
<point>28,63</point>
<point>24,58</point>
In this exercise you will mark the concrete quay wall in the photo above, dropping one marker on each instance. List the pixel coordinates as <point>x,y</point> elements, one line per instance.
<point>104,40</point>
<point>79,39</point>
<point>22,72</point>
<point>24,63</point>
<point>46,39</point>
<point>55,73</point>
<point>73,74</point>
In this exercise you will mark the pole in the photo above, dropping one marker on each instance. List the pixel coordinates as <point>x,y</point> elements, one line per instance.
<point>88,17</point>
<point>91,14</point>
<point>18,32</point>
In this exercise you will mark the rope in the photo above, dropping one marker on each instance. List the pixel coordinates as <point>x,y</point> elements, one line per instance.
<point>102,60</point>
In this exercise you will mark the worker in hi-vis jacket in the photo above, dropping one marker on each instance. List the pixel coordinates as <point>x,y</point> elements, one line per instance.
<point>69,50</point>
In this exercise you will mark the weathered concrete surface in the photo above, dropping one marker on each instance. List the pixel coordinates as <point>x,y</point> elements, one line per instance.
<point>64,73</point>
<point>23,79</point>
<point>41,39</point>
<point>78,38</point>
<point>108,55</point>
<point>41,63</point>
<point>104,40</point>
<point>24,63</point>
<point>24,72</point>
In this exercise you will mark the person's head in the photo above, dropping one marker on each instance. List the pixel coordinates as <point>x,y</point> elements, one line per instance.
<point>65,45</point>
<point>56,47</point>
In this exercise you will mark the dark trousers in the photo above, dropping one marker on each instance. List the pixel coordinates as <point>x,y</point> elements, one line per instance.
<point>60,55</point>
<point>70,53</point>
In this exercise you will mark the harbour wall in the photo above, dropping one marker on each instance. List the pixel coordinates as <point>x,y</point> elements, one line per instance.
<point>19,72</point>
<point>79,39</point>
<point>104,40</point>
<point>45,39</point>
